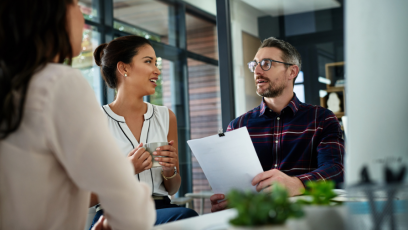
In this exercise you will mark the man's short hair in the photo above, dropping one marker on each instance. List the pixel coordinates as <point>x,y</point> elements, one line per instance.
<point>289,53</point>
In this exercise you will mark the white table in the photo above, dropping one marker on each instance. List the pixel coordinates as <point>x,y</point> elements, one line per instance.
<point>212,221</point>
<point>201,195</point>
<point>220,221</point>
<point>182,201</point>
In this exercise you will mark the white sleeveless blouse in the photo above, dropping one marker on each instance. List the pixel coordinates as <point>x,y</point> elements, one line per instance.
<point>155,129</point>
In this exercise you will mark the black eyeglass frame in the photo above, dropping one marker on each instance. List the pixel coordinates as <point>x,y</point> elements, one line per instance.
<point>271,60</point>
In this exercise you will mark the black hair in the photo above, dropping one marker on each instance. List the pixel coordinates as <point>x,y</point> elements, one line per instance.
<point>122,49</point>
<point>32,34</point>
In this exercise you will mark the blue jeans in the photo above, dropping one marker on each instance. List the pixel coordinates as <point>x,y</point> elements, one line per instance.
<point>165,212</point>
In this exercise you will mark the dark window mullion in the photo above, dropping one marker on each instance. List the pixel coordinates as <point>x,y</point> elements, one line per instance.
<point>202,58</point>
<point>225,62</point>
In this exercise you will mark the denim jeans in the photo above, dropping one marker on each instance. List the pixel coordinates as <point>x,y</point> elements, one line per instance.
<point>165,212</point>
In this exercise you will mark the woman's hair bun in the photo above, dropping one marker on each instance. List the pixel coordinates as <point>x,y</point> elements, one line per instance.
<point>121,49</point>
<point>98,54</point>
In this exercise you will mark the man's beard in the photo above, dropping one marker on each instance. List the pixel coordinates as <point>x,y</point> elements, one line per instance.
<point>270,91</point>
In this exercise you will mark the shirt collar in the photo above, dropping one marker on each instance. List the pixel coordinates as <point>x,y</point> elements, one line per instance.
<point>149,112</point>
<point>292,106</point>
<point>147,115</point>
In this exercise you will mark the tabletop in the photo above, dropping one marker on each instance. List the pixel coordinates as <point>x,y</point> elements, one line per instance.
<point>202,194</point>
<point>212,221</point>
<point>220,221</point>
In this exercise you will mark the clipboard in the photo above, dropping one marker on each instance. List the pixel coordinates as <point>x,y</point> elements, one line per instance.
<point>221,133</point>
<point>229,160</point>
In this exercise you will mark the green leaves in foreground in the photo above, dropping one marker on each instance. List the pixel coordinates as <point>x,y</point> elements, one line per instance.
<point>255,209</point>
<point>321,193</point>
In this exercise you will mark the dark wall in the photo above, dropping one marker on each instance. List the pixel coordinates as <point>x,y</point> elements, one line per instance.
<point>319,38</point>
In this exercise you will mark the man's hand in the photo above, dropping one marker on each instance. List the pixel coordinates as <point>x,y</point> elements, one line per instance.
<point>102,224</point>
<point>140,159</point>
<point>263,182</point>
<point>215,206</point>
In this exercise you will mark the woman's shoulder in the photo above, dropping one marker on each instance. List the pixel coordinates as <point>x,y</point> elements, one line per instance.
<point>161,109</point>
<point>59,69</point>
<point>53,73</point>
<point>161,116</point>
<point>55,80</point>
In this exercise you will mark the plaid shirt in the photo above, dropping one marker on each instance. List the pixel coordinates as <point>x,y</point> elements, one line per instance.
<point>303,140</point>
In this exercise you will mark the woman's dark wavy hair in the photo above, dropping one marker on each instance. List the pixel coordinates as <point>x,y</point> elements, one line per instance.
<point>122,49</point>
<point>32,34</point>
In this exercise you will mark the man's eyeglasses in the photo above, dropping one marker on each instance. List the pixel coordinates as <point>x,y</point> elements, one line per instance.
<point>265,64</point>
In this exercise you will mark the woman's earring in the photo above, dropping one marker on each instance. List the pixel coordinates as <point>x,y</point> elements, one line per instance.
<point>125,75</point>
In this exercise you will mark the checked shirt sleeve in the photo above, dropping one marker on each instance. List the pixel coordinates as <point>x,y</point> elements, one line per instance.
<point>233,124</point>
<point>330,154</point>
<point>230,127</point>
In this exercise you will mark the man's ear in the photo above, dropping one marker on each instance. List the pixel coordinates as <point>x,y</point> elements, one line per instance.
<point>122,68</point>
<point>294,71</point>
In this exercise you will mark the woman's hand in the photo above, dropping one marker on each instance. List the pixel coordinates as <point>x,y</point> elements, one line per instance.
<point>169,159</point>
<point>102,224</point>
<point>140,159</point>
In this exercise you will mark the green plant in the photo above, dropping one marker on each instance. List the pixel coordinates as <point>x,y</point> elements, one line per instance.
<point>256,209</point>
<point>321,193</point>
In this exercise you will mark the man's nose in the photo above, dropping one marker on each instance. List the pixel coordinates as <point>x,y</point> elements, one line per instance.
<point>258,69</point>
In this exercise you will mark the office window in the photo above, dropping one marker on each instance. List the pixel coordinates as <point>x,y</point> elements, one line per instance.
<point>201,36</point>
<point>85,61</point>
<point>163,93</point>
<point>162,23</point>
<point>205,115</point>
<point>299,87</point>
<point>149,19</point>
<point>89,9</point>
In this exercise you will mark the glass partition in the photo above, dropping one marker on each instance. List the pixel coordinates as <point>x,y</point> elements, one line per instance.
<point>183,82</point>
<point>149,19</point>
<point>201,36</point>
<point>85,61</point>
<point>89,9</point>
<point>205,116</point>
<point>315,29</point>
<point>163,92</point>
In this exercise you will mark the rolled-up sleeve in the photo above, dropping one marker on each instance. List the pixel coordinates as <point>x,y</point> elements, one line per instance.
<point>330,153</point>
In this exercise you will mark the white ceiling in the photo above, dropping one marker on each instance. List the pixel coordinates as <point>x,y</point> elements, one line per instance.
<point>145,14</point>
<point>286,7</point>
<point>152,16</point>
<point>207,5</point>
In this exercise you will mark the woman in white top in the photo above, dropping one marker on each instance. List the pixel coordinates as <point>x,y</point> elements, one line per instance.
<point>55,145</point>
<point>128,64</point>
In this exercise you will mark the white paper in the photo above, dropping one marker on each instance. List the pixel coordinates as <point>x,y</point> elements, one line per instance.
<point>228,162</point>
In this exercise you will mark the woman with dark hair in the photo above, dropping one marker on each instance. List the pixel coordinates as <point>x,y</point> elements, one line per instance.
<point>128,65</point>
<point>55,145</point>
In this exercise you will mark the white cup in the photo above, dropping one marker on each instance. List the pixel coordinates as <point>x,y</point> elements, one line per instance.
<point>151,147</point>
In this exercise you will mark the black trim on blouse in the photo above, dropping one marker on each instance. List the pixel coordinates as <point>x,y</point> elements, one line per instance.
<point>147,138</point>
<point>110,116</point>
<point>152,113</point>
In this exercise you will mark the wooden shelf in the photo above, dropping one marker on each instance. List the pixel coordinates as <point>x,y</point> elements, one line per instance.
<point>335,89</point>
<point>339,90</point>
<point>331,72</point>
<point>339,114</point>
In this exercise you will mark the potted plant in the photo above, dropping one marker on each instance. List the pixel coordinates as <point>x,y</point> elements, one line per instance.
<point>262,210</point>
<point>321,211</point>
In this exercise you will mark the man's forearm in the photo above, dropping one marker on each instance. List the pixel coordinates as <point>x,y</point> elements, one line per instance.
<point>333,172</point>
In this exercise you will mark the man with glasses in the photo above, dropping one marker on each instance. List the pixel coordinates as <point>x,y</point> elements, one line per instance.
<point>295,142</point>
